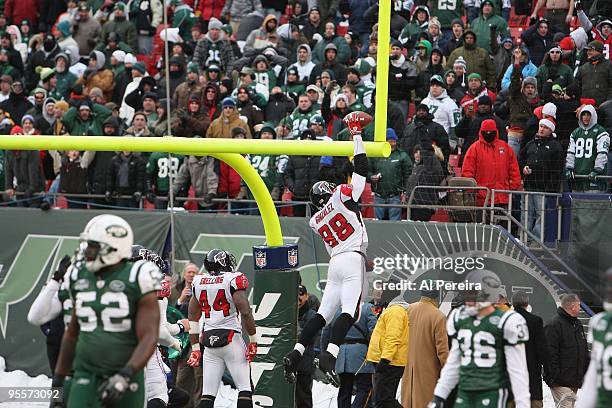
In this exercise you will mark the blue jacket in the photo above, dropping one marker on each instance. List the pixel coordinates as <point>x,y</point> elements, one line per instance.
<point>352,354</point>
<point>528,70</point>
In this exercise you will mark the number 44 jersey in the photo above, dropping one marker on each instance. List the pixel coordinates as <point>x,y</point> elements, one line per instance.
<point>482,342</point>
<point>339,223</point>
<point>214,294</point>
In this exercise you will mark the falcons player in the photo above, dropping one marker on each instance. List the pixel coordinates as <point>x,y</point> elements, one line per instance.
<point>338,221</point>
<point>221,296</point>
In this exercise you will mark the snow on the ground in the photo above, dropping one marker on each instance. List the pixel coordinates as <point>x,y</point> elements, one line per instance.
<point>323,395</point>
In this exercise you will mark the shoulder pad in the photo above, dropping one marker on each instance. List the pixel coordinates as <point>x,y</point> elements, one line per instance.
<point>241,282</point>
<point>514,328</point>
<point>452,320</point>
<point>346,190</point>
<point>148,276</point>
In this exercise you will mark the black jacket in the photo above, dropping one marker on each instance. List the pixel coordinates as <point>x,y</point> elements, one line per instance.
<point>279,106</point>
<point>545,158</point>
<point>402,80</point>
<point>424,132</point>
<point>537,355</point>
<point>16,106</point>
<point>301,173</point>
<point>536,44</point>
<point>594,80</point>
<point>136,175</point>
<point>337,68</point>
<point>567,350</point>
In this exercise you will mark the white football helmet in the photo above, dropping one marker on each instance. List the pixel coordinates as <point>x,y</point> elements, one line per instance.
<point>490,292</point>
<point>106,240</point>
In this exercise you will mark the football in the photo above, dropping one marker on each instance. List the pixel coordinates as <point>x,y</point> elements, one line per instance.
<point>362,118</point>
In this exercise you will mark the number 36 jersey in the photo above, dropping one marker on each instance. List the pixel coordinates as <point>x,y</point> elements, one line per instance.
<point>214,294</point>
<point>482,342</point>
<point>339,223</point>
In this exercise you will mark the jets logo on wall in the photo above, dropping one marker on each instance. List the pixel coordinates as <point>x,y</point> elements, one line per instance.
<point>260,259</point>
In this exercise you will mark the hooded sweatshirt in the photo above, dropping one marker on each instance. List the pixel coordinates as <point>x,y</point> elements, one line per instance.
<point>409,34</point>
<point>588,151</point>
<point>446,113</point>
<point>304,69</point>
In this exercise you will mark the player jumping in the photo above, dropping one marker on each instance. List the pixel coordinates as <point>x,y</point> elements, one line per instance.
<point>338,221</point>
<point>487,356</point>
<point>221,296</point>
<point>596,390</point>
<point>115,319</point>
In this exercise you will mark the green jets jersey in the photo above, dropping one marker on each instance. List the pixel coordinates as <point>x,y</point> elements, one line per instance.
<point>63,295</point>
<point>588,150</point>
<point>364,95</point>
<point>447,11</point>
<point>266,166</point>
<point>299,121</point>
<point>600,333</point>
<point>266,78</point>
<point>159,167</point>
<point>481,342</point>
<point>106,307</point>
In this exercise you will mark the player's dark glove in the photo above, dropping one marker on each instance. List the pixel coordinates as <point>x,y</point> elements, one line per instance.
<point>436,402</point>
<point>58,275</point>
<point>113,389</point>
<point>150,197</point>
<point>382,365</point>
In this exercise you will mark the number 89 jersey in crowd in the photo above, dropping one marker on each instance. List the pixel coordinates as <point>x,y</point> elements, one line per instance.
<point>482,342</point>
<point>339,223</point>
<point>214,294</point>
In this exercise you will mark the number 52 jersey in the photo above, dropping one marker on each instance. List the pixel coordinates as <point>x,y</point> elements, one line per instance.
<point>214,295</point>
<point>339,223</point>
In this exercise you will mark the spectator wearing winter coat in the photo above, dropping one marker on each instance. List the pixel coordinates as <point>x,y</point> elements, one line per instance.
<point>97,76</point>
<point>426,171</point>
<point>229,119</point>
<point>330,37</point>
<point>44,57</point>
<point>189,87</point>
<point>594,78</point>
<point>300,175</point>
<point>253,114</point>
<point>198,172</point>
<point>427,350</point>
<point>565,114</point>
<point>553,71</point>
<point>388,350</point>
<point>445,110</point>
<point>279,106</point>
<point>523,100</point>
<point>86,30</point>
<point>73,177</point>
<point>475,90</point>
<point>492,163</point>
<point>469,127</point>
<point>502,55</point>
<point>547,111</point>
<point>434,67</point>
<point>488,24</point>
<point>525,66</point>
<point>304,62</point>
<point>538,38</point>
<point>541,162</point>
<point>568,352</point>
<point>235,10</point>
<point>17,103</point>
<point>425,132</point>
<point>535,348</point>
<point>456,37</point>
<point>214,40</point>
<point>349,365</point>
<point>453,86</point>
<point>476,58</point>
<point>65,78</point>
<point>330,62</point>
<point>119,23</point>
<point>126,176</point>
<point>402,77</point>
<point>86,119</point>
<point>177,76</point>
<point>259,39</point>
<point>419,23</point>
<point>23,174</point>
<point>313,26</point>
<point>16,50</point>
<point>146,16</point>
<point>194,121</point>
<point>389,178</point>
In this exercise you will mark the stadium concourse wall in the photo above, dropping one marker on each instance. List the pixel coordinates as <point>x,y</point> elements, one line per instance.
<point>33,242</point>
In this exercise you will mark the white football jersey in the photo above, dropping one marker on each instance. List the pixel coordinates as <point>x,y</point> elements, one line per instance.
<point>339,223</point>
<point>214,295</point>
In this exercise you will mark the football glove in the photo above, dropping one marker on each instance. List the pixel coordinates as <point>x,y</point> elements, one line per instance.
<point>436,402</point>
<point>353,122</point>
<point>251,352</point>
<point>194,358</point>
<point>57,382</point>
<point>58,275</point>
<point>113,389</point>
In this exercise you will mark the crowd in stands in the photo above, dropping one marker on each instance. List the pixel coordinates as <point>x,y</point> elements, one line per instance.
<point>471,92</point>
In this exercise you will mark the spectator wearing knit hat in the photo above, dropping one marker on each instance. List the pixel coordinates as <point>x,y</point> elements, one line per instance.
<point>86,30</point>
<point>520,59</point>
<point>476,58</point>
<point>566,114</point>
<point>229,119</point>
<point>541,164</point>
<point>547,111</point>
<point>475,90</point>
<point>538,39</point>
<point>435,67</point>
<point>86,119</point>
<point>330,62</point>
<point>455,39</point>
<point>436,37</point>
<point>488,24</point>
<point>189,87</point>
<point>402,77</point>
<point>17,103</point>
<point>418,24</point>
<point>214,48</point>
<point>119,24</point>
<point>64,34</point>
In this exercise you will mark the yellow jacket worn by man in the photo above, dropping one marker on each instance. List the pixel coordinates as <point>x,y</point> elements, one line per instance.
<point>389,350</point>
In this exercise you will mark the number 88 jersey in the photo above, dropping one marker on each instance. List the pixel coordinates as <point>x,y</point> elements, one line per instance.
<point>339,223</point>
<point>214,294</point>
<point>482,342</point>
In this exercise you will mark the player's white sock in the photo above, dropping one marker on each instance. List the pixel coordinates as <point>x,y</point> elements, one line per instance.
<point>299,348</point>
<point>333,349</point>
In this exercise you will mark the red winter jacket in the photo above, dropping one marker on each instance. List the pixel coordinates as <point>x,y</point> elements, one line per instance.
<point>229,181</point>
<point>17,10</point>
<point>493,165</point>
<point>209,8</point>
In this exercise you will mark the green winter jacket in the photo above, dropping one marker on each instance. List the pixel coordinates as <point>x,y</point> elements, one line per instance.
<point>93,127</point>
<point>65,82</point>
<point>560,74</point>
<point>395,171</point>
<point>482,27</point>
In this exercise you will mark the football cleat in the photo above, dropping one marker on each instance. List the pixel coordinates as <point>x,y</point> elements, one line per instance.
<point>326,362</point>
<point>290,363</point>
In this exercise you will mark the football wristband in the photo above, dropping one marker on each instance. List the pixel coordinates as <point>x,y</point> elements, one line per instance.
<point>253,338</point>
<point>194,327</point>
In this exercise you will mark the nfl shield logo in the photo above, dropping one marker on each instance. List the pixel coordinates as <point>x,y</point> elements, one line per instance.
<point>260,259</point>
<point>292,257</point>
